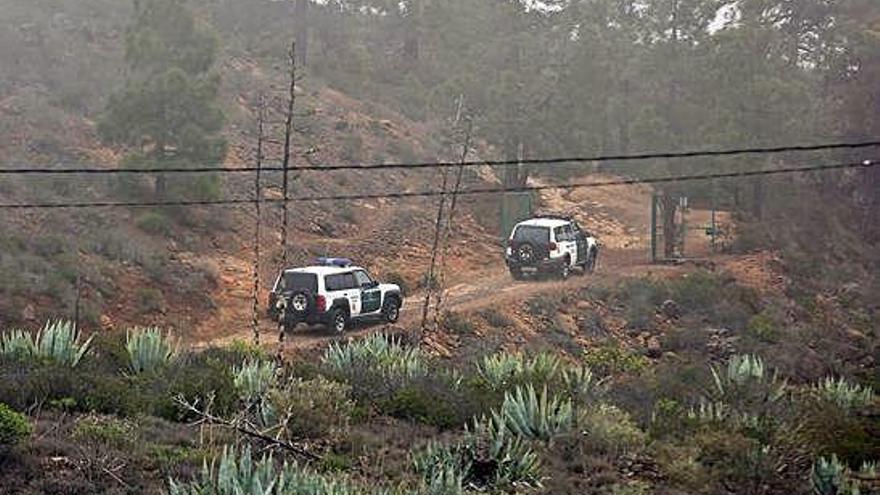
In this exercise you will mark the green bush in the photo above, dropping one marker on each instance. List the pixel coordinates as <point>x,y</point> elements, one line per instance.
<point>315,408</point>
<point>417,404</point>
<point>398,279</point>
<point>457,323</point>
<point>104,431</point>
<point>154,223</point>
<point>148,349</point>
<point>496,319</point>
<point>14,427</point>
<point>613,359</point>
<point>611,430</point>
<point>149,300</point>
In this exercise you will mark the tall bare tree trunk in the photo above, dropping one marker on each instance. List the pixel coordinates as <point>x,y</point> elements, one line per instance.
<point>301,31</point>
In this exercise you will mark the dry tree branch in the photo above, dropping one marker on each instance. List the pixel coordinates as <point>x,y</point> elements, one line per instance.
<point>245,429</point>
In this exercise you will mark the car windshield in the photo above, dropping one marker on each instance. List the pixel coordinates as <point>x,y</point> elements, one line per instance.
<point>533,234</point>
<point>299,280</point>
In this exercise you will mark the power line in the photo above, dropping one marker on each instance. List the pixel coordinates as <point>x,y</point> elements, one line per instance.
<point>422,165</point>
<point>470,192</point>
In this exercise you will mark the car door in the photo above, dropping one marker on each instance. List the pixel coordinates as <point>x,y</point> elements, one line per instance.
<point>343,286</point>
<point>580,239</point>
<point>568,244</point>
<point>371,295</point>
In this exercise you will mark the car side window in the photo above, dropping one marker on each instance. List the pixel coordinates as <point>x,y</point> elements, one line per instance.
<point>559,234</point>
<point>567,232</point>
<point>333,282</point>
<point>362,279</point>
<point>348,281</point>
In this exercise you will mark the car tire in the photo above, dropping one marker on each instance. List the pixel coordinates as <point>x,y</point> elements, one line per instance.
<point>516,273</point>
<point>525,253</point>
<point>391,310</point>
<point>337,321</point>
<point>565,270</point>
<point>592,261</point>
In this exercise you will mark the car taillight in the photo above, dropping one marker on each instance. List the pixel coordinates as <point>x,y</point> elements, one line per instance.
<point>552,246</point>
<point>321,304</point>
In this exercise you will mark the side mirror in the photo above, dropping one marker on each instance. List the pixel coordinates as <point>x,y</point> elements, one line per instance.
<point>372,285</point>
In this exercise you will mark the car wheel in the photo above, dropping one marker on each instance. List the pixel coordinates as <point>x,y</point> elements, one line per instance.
<point>338,321</point>
<point>516,273</point>
<point>565,270</point>
<point>592,262</point>
<point>391,311</point>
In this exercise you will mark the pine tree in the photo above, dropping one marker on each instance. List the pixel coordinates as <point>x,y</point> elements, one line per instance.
<point>167,115</point>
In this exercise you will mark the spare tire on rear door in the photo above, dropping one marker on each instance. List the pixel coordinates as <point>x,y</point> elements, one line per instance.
<point>299,303</point>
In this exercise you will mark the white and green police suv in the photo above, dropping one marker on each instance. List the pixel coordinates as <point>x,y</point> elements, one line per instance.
<point>333,293</point>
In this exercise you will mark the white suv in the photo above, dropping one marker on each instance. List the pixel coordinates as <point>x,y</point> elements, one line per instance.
<point>332,293</point>
<point>550,244</point>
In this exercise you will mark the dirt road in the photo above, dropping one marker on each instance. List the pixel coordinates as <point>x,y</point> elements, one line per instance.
<point>490,287</point>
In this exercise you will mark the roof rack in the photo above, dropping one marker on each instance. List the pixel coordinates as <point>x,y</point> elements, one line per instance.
<point>554,216</point>
<point>340,262</point>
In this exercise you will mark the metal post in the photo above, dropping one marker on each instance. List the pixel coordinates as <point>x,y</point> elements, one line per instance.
<point>653,228</point>
<point>714,207</point>
<point>288,131</point>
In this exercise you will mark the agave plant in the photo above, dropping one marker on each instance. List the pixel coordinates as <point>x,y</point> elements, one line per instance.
<point>243,475</point>
<point>502,370</point>
<point>444,468</point>
<point>530,415</point>
<point>18,343</point>
<point>148,349</point>
<point>252,379</point>
<point>744,371</point>
<point>488,458</point>
<point>59,341</point>
<point>378,352</point>
<point>515,463</point>
<point>844,394</point>
<point>832,477</point>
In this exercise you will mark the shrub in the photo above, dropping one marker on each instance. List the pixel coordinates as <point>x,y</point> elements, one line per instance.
<point>457,323</point>
<point>148,349</point>
<point>418,404</point>
<point>611,430</point>
<point>641,297</point>
<point>843,394</point>
<point>149,300</point>
<point>533,416</point>
<point>398,279</point>
<point>612,359</point>
<point>198,378</point>
<point>14,427</point>
<point>310,409</point>
<point>496,319</point>
<point>104,431</point>
<point>154,223</point>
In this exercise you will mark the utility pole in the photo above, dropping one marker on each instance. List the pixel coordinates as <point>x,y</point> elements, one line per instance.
<point>288,131</point>
<point>438,223</point>
<point>258,198</point>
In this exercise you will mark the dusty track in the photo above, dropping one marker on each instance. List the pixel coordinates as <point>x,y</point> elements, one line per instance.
<point>490,287</point>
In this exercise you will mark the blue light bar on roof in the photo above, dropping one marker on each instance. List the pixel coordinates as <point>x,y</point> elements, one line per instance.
<point>340,262</point>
